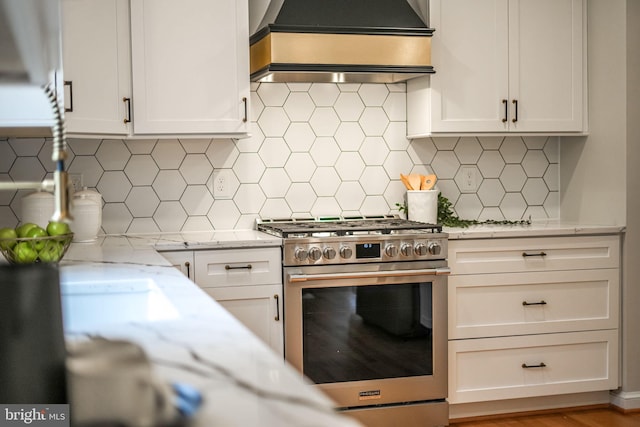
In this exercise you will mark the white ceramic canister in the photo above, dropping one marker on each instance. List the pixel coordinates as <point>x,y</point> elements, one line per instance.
<point>87,215</point>
<point>37,208</point>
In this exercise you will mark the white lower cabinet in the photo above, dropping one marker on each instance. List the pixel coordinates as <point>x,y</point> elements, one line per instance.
<point>247,282</point>
<point>533,316</point>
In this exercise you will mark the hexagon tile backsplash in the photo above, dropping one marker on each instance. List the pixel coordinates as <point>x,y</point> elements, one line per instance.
<point>315,149</point>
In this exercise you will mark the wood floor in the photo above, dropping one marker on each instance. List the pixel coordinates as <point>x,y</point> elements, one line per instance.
<point>574,418</point>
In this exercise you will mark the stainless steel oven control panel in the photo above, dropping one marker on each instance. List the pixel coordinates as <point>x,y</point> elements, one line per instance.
<point>362,249</point>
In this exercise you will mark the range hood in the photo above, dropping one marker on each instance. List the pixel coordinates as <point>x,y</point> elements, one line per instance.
<point>380,41</point>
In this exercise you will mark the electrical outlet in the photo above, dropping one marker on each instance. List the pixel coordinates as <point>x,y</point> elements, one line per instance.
<point>221,183</point>
<point>469,183</point>
<point>75,179</point>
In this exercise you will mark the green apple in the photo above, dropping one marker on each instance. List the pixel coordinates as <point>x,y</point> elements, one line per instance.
<point>23,229</point>
<point>51,252</point>
<point>7,233</point>
<point>37,231</point>
<point>55,228</point>
<point>24,253</point>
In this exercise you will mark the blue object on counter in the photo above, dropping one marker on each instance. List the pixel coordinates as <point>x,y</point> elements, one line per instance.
<point>188,399</point>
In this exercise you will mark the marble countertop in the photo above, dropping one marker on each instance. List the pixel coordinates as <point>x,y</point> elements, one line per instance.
<point>191,340</point>
<point>535,229</point>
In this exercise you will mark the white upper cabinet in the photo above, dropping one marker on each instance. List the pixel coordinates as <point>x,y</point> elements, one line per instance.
<point>190,63</point>
<point>156,68</point>
<point>97,66</point>
<point>502,66</point>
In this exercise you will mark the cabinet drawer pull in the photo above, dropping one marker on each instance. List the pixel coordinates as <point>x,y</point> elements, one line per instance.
<point>277,298</point>
<point>525,303</point>
<point>246,116</point>
<point>238,267</point>
<point>187,264</point>
<point>128,102</point>
<point>506,110</point>
<point>70,84</point>
<point>540,365</point>
<point>515,118</point>
<point>540,254</point>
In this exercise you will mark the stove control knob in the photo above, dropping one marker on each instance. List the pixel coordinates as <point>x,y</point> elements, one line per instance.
<point>301,254</point>
<point>346,252</point>
<point>391,251</point>
<point>329,252</point>
<point>435,248</point>
<point>406,249</point>
<point>421,249</point>
<point>315,253</point>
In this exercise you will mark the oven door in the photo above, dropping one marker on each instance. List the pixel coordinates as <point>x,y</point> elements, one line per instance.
<point>369,334</point>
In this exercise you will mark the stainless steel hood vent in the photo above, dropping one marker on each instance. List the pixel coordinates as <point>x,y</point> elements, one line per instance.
<point>381,41</point>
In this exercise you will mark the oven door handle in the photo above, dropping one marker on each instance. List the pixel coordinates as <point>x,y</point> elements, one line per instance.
<point>441,271</point>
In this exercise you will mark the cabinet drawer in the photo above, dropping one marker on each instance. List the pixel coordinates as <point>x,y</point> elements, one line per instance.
<point>533,254</point>
<point>487,305</point>
<point>492,368</point>
<point>238,267</point>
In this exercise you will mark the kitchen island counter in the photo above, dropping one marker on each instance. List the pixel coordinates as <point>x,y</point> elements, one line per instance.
<point>195,341</point>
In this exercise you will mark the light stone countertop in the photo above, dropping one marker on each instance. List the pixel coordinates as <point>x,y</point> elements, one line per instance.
<point>535,229</point>
<point>194,341</point>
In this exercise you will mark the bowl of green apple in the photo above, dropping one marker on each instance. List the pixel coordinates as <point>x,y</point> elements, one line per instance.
<point>29,243</point>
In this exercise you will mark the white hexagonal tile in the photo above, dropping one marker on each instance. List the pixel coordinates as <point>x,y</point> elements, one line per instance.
<point>325,206</point>
<point>513,177</point>
<point>90,169</point>
<point>461,177</point>
<point>396,136</point>
<point>143,225</point>
<point>374,180</point>
<point>300,167</point>
<point>535,142</point>
<point>299,87</point>
<point>140,146</point>
<point>275,208</point>
<point>325,151</point>
<point>223,214</point>
<point>468,150</point>
<point>350,196</point>
<point>27,169</point>
<point>115,218</point>
<point>232,182</point>
<point>349,136</point>
<point>513,206</point>
<point>396,106</point>
<point>535,163</point>
<point>7,217</point>
<point>255,106</point>
<point>253,143</point>
<point>552,149</point>
<point>325,181</point>
<point>535,212</point>
<point>248,168</point>
<point>491,213</point>
<point>374,151</point>
<point>535,191</point>
<point>374,121</point>
<point>114,186</point>
<point>324,94</point>
<point>273,94</point>
<point>396,163</point>
<point>552,177</point>
<point>422,151</point>
<point>141,169</point>
<point>374,205</point>
<point>274,152</point>
<point>373,94</point>
<point>249,198</point>
<point>142,201</point>
<point>552,205</point>
<point>26,146</point>
<point>196,169</point>
<point>83,147</point>
<point>222,154</point>
<point>300,197</point>
<point>169,185</point>
<point>513,149</point>
<point>7,156</point>
<point>113,154</point>
<point>196,200</point>
<point>348,87</point>
<point>395,193</point>
<point>5,196</point>
<point>195,146</point>
<point>273,121</point>
<point>491,164</point>
<point>445,164</point>
<point>16,202</point>
<point>491,192</point>
<point>468,206</point>
<point>349,166</point>
<point>45,156</point>
<point>445,143</point>
<point>168,154</point>
<point>299,137</point>
<point>349,107</point>
<point>170,216</point>
<point>324,121</point>
<point>299,107</point>
<point>449,189</point>
<point>197,223</point>
<point>491,142</point>
<point>275,182</point>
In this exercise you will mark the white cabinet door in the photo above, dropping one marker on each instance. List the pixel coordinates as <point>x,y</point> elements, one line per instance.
<point>97,66</point>
<point>182,260</point>
<point>190,62</point>
<point>259,308</point>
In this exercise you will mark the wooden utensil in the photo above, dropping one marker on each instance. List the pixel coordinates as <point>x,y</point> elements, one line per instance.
<point>427,181</point>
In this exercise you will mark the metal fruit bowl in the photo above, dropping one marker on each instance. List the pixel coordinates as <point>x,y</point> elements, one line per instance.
<point>27,250</point>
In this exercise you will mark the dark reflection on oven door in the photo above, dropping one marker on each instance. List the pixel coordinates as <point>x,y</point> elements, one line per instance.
<point>367,332</point>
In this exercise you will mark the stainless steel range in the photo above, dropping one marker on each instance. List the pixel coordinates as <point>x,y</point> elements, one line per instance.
<point>365,314</point>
